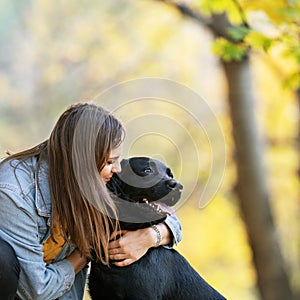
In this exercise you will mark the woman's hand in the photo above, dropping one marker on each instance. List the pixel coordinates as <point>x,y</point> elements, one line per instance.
<point>132,245</point>
<point>77,260</point>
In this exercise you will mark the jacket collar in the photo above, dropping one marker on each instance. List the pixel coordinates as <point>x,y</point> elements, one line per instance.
<point>42,191</point>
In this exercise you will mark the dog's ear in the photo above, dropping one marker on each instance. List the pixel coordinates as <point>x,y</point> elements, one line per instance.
<point>117,183</point>
<point>124,162</point>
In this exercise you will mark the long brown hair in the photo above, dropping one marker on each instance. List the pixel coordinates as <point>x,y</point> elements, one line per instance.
<point>77,150</point>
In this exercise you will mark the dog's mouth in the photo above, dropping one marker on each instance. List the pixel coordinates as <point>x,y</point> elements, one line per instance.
<point>159,207</point>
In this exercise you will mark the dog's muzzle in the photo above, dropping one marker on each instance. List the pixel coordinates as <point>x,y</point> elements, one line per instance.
<point>173,184</point>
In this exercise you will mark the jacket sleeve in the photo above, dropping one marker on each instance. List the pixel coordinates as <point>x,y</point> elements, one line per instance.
<point>175,227</point>
<point>19,227</point>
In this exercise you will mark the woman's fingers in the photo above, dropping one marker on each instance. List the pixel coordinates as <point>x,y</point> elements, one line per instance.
<point>131,246</point>
<point>117,257</point>
<point>113,245</point>
<point>114,251</point>
<point>117,234</point>
<point>124,263</point>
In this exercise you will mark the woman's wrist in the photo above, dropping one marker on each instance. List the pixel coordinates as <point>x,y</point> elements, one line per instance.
<point>160,235</point>
<point>77,260</point>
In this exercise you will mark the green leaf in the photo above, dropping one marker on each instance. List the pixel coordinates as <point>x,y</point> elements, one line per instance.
<point>238,33</point>
<point>229,51</point>
<point>258,40</point>
<point>291,14</point>
<point>217,7</point>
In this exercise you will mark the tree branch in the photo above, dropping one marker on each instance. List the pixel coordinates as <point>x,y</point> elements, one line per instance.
<point>242,13</point>
<point>217,24</point>
<point>187,11</point>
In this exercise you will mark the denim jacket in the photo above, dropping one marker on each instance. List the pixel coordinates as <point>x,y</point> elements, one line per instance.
<point>25,216</point>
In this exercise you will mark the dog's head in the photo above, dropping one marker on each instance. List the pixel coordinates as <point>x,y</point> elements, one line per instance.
<point>148,183</point>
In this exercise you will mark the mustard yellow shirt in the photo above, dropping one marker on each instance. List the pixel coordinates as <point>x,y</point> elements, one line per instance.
<point>53,245</point>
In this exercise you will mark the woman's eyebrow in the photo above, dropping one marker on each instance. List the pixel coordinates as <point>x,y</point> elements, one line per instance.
<point>114,157</point>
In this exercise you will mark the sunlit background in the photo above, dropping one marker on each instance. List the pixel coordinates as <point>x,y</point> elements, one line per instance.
<point>53,54</point>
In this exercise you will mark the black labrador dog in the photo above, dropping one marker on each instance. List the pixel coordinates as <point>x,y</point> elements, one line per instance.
<point>141,192</point>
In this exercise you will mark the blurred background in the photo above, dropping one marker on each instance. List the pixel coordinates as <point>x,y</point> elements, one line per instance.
<point>242,57</point>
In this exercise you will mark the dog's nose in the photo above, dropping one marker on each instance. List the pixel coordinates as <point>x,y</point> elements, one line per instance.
<point>172,183</point>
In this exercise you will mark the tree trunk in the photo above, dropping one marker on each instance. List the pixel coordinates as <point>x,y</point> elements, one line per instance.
<point>252,190</point>
<point>298,137</point>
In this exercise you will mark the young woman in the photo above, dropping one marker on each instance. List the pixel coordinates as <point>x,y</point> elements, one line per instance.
<point>55,208</point>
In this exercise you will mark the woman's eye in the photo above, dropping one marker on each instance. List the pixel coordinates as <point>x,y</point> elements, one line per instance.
<point>147,170</point>
<point>109,162</point>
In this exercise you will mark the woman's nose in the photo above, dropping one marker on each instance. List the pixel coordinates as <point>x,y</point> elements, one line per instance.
<point>117,168</point>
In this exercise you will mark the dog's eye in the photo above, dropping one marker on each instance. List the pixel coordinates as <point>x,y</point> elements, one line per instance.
<point>148,170</point>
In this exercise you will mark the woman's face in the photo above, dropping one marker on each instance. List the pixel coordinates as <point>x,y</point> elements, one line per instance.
<point>112,164</point>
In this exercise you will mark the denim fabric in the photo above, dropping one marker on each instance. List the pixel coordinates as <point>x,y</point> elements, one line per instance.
<point>25,215</point>
<point>175,227</point>
<point>24,224</point>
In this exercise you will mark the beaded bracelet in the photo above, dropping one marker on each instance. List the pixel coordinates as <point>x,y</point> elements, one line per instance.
<point>158,235</point>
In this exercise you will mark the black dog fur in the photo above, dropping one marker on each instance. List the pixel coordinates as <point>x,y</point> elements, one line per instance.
<point>161,274</point>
